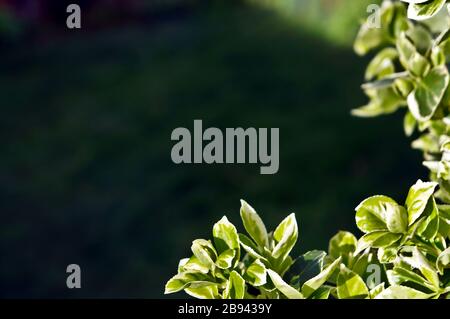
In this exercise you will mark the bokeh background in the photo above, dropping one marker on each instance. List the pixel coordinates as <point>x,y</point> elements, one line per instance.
<point>86,116</point>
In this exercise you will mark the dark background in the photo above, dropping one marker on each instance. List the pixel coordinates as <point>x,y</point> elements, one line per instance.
<point>86,116</point>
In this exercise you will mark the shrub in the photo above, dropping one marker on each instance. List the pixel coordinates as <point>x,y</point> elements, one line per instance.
<point>404,252</point>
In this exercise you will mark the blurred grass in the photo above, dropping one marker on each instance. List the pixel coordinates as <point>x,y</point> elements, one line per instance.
<point>85,171</point>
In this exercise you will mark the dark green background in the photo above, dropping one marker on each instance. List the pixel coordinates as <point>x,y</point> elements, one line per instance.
<point>85,170</point>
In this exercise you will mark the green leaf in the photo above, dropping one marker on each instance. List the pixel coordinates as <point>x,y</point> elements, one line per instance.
<point>205,252</point>
<point>322,292</point>
<point>183,262</point>
<point>427,95</point>
<point>377,239</point>
<point>382,64</point>
<point>437,56</point>
<point>443,261</point>
<point>181,281</point>
<point>396,219</point>
<point>385,83</point>
<point>382,101</point>
<point>225,235</point>
<point>401,292</point>
<point>403,86</point>
<point>381,213</point>
<point>376,291</point>
<point>203,291</point>
<point>281,266</point>
<point>409,56</point>
<point>444,220</point>
<point>399,276</point>
<point>350,285</point>
<point>427,143</point>
<point>343,244</point>
<point>417,199</point>
<point>387,255</point>
<point>250,247</point>
<point>285,235</point>
<point>421,36</point>
<point>235,288</point>
<point>193,265</point>
<point>361,262</point>
<point>368,38</point>
<point>429,226</point>
<point>225,259</point>
<point>371,213</point>
<point>420,262</point>
<point>254,225</point>
<point>305,267</point>
<point>314,283</point>
<point>256,273</point>
<point>426,10</point>
<point>409,124</point>
<point>283,287</point>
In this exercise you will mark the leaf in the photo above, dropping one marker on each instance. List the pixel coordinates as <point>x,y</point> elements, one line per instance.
<point>322,292</point>
<point>251,249</point>
<point>426,10</point>
<point>422,38</point>
<point>396,219</point>
<point>256,273</point>
<point>305,267</point>
<point>377,239</point>
<point>427,143</point>
<point>399,276</point>
<point>350,285</point>
<point>381,213</point>
<point>409,124</point>
<point>314,283</point>
<point>254,225</point>
<point>206,292</point>
<point>382,101</point>
<point>283,266</point>
<point>409,56</point>
<point>382,64</point>
<point>343,244</point>
<point>376,291</point>
<point>444,220</point>
<point>235,288</point>
<point>437,56</point>
<point>205,252</point>
<point>443,261</point>
<point>361,262</point>
<point>417,199</point>
<point>181,281</point>
<point>387,255</point>
<point>225,259</point>
<point>194,265</point>
<point>370,213</point>
<point>283,287</point>
<point>368,38</point>
<point>429,226</point>
<point>425,98</point>
<point>225,235</point>
<point>403,86</point>
<point>420,262</point>
<point>401,292</point>
<point>286,235</point>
